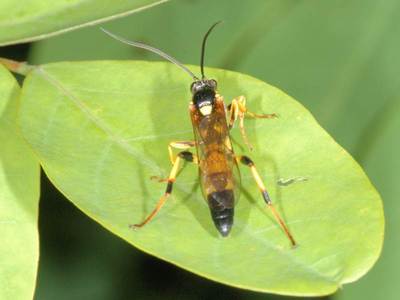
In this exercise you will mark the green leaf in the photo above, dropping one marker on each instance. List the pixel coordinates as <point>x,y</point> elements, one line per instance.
<point>19,197</point>
<point>37,19</point>
<point>379,150</point>
<point>101,130</point>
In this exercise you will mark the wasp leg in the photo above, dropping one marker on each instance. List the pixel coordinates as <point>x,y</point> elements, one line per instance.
<point>185,155</point>
<point>181,145</point>
<point>238,110</point>
<point>248,162</point>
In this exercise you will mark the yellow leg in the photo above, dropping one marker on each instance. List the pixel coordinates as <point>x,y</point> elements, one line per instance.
<point>185,155</point>
<point>181,145</point>
<point>238,110</point>
<point>248,162</point>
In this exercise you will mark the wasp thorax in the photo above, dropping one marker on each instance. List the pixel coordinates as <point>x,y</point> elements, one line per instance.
<point>204,95</point>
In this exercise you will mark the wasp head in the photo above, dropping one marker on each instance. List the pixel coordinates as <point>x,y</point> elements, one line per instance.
<point>203,92</point>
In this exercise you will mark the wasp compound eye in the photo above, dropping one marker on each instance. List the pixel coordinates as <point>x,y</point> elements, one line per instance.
<point>213,83</point>
<point>192,87</point>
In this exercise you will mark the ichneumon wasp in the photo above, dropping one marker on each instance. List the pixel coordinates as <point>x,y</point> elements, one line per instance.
<point>216,160</point>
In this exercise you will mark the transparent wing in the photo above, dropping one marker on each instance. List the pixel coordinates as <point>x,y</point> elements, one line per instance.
<point>217,164</point>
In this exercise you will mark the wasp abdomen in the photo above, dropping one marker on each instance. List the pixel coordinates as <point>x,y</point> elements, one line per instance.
<point>221,205</point>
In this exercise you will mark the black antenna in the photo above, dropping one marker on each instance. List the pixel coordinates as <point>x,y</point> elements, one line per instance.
<point>203,48</point>
<point>152,49</point>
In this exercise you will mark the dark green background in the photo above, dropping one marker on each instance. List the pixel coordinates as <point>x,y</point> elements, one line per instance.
<point>339,58</point>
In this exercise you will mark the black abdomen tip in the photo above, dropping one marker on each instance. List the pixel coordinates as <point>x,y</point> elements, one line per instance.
<point>221,207</point>
<point>224,224</point>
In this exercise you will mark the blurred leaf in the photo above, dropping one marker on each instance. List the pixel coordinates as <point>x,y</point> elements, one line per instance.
<point>381,160</point>
<point>19,196</point>
<point>37,19</point>
<point>101,129</point>
<point>338,57</point>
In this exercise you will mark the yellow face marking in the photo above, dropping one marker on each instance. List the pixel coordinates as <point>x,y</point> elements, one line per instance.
<point>206,110</point>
